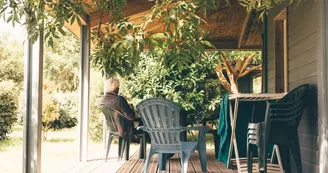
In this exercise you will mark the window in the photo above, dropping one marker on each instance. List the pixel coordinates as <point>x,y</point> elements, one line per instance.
<point>281,49</point>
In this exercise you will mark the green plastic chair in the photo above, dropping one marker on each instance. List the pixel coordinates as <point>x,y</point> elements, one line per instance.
<point>114,121</point>
<point>161,119</point>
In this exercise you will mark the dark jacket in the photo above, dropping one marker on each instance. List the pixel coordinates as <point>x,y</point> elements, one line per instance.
<point>119,103</point>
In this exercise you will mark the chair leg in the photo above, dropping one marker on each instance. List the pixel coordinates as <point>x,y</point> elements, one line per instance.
<point>142,150</point>
<point>285,157</point>
<point>109,142</point>
<point>144,143</point>
<point>123,147</point>
<point>295,151</point>
<point>151,152</point>
<point>203,161</point>
<point>262,146</point>
<point>249,159</point>
<point>216,143</point>
<point>120,141</point>
<point>127,148</point>
<point>162,158</point>
<point>184,162</point>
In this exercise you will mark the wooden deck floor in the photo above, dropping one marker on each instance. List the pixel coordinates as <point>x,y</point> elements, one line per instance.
<point>135,165</point>
<point>173,165</point>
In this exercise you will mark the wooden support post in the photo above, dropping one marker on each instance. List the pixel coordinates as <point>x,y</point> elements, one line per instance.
<point>33,73</point>
<point>265,55</point>
<point>323,84</point>
<point>105,134</point>
<point>84,92</point>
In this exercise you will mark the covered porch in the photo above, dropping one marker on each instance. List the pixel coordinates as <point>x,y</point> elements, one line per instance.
<point>237,40</point>
<point>226,34</point>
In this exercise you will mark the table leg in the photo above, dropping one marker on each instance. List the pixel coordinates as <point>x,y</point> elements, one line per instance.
<point>231,146</point>
<point>233,141</point>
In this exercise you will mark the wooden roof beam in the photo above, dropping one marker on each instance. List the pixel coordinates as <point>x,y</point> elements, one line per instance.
<point>231,45</point>
<point>245,30</point>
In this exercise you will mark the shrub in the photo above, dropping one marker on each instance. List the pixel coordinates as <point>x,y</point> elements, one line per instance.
<point>50,113</point>
<point>9,93</point>
<point>68,111</point>
<point>59,112</point>
<point>64,121</point>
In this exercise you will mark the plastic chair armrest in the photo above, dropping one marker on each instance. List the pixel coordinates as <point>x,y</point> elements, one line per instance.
<point>140,127</point>
<point>210,119</point>
<point>202,132</point>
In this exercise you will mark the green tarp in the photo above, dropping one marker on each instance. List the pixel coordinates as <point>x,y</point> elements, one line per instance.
<point>245,110</point>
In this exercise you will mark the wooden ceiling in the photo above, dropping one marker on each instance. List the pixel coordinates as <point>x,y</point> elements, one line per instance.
<point>228,27</point>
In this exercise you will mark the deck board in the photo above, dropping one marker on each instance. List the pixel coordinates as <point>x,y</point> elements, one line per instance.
<point>194,159</point>
<point>135,165</point>
<point>175,163</point>
<point>129,165</point>
<point>219,165</point>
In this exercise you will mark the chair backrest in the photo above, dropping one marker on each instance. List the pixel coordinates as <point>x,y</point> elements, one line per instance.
<point>161,118</point>
<point>291,106</point>
<point>114,120</point>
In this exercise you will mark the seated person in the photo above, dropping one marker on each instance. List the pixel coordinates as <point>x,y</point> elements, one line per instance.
<point>115,101</point>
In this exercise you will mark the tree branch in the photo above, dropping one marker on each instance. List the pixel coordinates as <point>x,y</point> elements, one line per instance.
<point>223,81</point>
<point>238,65</point>
<point>246,62</point>
<point>222,78</point>
<point>250,70</point>
<point>227,64</point>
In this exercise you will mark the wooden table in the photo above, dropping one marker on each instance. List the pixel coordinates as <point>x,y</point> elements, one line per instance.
<point>236,98</point>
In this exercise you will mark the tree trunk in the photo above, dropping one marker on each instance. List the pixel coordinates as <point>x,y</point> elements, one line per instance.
<point>234,87</point>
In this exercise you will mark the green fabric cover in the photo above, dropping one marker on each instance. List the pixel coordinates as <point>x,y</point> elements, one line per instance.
<point>224,130</point>
<point>245,110</point>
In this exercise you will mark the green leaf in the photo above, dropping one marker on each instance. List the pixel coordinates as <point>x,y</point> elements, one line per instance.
<point>51,42</point>
<point>72,19</point>
<point>62,31</point>
<point>9,18</point>
<point>87,5</point>
<point>207,43</point>
<point>78,20</point>
<point>85,10</point>
<point>159,36</point>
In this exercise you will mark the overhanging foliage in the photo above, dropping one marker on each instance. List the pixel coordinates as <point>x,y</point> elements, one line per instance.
<point>119,43</point>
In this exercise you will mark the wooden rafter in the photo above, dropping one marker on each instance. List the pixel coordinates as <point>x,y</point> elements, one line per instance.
<point>245,30</point>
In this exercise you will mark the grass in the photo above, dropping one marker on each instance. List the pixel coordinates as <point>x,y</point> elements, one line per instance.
<point>15,138</point>
<point>10,142</point>
<point>17,128</point>
<point>60,149</point>
<point>58,140</point>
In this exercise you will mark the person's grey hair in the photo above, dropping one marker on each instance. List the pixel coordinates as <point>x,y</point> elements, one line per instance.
<point>113,85</point>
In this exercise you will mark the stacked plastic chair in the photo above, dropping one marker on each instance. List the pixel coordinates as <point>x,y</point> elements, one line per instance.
<point>279,128</point>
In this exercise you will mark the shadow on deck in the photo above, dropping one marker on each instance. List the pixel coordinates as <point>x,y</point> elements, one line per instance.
<point>135,165</point>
